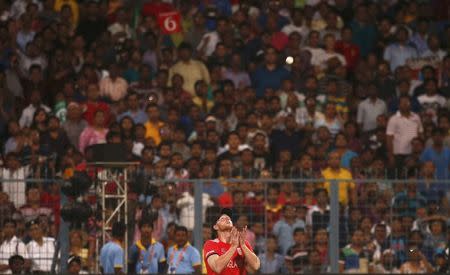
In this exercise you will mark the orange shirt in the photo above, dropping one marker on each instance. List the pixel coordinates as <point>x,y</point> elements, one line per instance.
<point>152,131</point>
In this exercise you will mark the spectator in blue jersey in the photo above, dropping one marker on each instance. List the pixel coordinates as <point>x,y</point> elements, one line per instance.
<point>271,261</point>
<point>112,259</point>
<point>398,240</point>
<point>438,154</point>
<point>433,191</point>
<point>407,202</point>
<point>352,255</point>
<point>134,111</point>
<point>270,74</point>
<point>285,227</point>
<point>147,255</point>
<point>183,258</point>
<point>364,31</point>
<point>341,146</point>
<point>398,53</point>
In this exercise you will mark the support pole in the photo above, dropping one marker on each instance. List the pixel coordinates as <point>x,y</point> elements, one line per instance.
<point>63,238</point>
<point>198,215</point>
<point>334,227</point>
<point>112,172</point>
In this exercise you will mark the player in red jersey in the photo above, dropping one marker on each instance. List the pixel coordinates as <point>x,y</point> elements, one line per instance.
<point>230,253</point>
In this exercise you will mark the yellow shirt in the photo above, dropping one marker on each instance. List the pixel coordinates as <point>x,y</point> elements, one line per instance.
<point>344,186</point>
<point>198,101</point>
<point>73,6</point>
<point>191,72</point>
<point>152,131</point>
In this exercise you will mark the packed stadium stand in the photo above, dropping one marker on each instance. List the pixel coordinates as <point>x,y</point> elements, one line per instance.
<point>128,126</point>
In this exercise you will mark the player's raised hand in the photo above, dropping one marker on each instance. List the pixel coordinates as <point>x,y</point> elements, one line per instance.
<point>234,237</point>
<point>243,236</point>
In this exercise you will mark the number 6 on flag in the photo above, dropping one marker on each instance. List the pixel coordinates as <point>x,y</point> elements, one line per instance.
<point>169,22</point>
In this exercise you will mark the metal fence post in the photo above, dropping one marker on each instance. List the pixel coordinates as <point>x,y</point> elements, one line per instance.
<point>63,237</point>
<point>198,215</point>
<point>334,227</point>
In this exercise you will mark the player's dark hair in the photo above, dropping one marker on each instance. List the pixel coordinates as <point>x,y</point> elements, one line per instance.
<point>147,222</point>
<point>181,228</point>
<point>118,230</point>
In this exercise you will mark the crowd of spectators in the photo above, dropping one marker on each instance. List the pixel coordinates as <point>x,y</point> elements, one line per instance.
<point>311,89</point>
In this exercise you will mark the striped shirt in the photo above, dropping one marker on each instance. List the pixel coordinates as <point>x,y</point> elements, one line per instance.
<point>404,130</point>
<point>298,257</point>
<point>29,213</point>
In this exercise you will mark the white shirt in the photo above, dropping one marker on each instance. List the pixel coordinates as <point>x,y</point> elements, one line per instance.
<point>186,204</point>
<point>13,83</point>
<point>302,117</point>
<point>25,62</point>
<point>435,101</point>
<point>14,184</point>
<point>312,210</point>
<point>333,126</point>
<point>211,44</point>
<point>41,256</point>
<point>279,120</point>
<point>403,129</point>
<point>26,119</point>
<point>227,147</point>
<point>324,57</point>
<point>114,90</point>
<point>15,246</point>
<point>19,7</point>
<point>439,54</point>
<point>5,15</point>
<point>302,30</point>
<point>317,55</point>
<point>368,111</point>
<point>432,104</point>
<point>118,28</point>
<point>379,268</point>
<point>170,174</point>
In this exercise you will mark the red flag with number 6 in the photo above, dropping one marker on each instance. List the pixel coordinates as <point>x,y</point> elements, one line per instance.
<point>169,22</point>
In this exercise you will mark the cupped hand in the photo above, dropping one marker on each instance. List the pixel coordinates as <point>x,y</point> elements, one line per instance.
<point>234,237</point>
<point>243,236</point>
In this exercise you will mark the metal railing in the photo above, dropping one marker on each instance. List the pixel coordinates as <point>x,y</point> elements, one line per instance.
<point>379,201</point>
